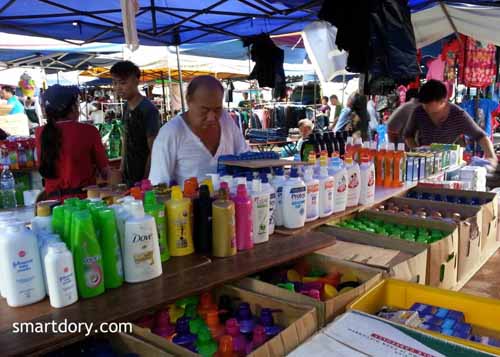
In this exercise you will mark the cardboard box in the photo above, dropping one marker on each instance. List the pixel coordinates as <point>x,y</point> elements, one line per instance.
<point>469,230</point>
<point>490,242</point>
<point>442,255</point>
<point>127,344</point>
<point>402,261</point>
<point>326,310</point>
<point>299,322</point>
<point>482,313</point>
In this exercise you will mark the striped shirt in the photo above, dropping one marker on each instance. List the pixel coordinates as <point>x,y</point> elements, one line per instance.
<point>458,123</point>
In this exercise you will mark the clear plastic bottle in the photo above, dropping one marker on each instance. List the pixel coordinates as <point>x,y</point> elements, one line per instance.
<point>8,188</point>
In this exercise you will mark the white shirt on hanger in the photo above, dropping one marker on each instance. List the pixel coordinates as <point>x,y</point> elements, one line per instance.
<point>179,154</point>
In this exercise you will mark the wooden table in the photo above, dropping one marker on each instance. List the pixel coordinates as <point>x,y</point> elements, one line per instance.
<point>486,282</point>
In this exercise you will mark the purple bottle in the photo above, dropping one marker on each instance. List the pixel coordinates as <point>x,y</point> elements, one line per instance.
<point>258,339</point>
<point>182,336</point>
<point>239,341</point>
<point>243,208</point>
<point>245,318</point>
<point>163,327</point>
<point>267,321</point>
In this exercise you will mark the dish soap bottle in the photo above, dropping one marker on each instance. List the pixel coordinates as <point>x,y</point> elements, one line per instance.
<point>87,256</point>
<point>180,240</point>
<point>294,201</point>
<point>141,252</point>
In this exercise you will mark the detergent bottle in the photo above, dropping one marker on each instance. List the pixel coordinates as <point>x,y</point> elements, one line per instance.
<point>353,188</point>
<point>380,165</point>
<point>326,190</point>
<point>87,256</point>
<point>244,227</point>
<point>339,174</point>
<point>367,173</point>
<point>260,212</point>
<point>399,166</point>
<point>312,189</point>
<point>294,201</point>
<point>180,239</point>
<point>223,226</point>
<point>389,165</point>
<point>141,251</point>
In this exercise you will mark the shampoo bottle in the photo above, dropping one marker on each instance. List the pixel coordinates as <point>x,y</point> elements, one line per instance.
<point>87,257</point>
<point>180,238</point>
<point>223,226</point>
<point>157,211</point>
<point>243,209</point>
<point>353,188</point>
<point>111,250</point>
<point>61,280</point>
<point>312,189</point>
<point>58,220</point>
<point>277,182</point>
<point>202,226</point>
<point>20,266</point>
<point>367,173</point>
<point>294,201</point>
<point>260,212</point>
<point>326,190</point>
<point>141,252</point>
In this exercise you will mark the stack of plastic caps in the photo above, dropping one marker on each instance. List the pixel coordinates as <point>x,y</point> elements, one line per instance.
<point>250,155</point>
<point>451,198</point>
<point>312,282</point>
<point>204,327</point>
<point>407,211</point>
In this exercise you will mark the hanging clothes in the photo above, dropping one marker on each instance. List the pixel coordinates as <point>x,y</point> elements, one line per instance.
<point>479,65</point>
<point>482,114</point>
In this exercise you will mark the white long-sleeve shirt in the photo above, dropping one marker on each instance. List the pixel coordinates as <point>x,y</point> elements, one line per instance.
<point>179,154</point>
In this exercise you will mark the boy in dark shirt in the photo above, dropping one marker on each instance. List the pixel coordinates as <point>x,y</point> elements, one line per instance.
<point>141,122</point>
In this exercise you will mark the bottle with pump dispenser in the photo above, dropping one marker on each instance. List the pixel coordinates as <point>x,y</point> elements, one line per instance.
<point>244,227</point>
<point>20,266</point>
<point>141,252</point>
<point>353,181</point>
<point>339,174</point>
<point>180,238</point>
<point>61,280</point>
<point>294,201</point>
<point>367,174</point>
<point>260,212</point>
<point>87,256</point>
<point>277,182</point>
<point>268,189</point>
<point>326,189</point>
<point>312,189</point>
<point>223,225</point>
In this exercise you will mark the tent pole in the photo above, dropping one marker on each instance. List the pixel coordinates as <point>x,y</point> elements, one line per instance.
<point>450,20</point>
<point>343,88</point>
<point>180,78</point>
<point>163,93</point>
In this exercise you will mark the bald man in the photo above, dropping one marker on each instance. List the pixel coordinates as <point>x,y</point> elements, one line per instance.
<point>190,144</point>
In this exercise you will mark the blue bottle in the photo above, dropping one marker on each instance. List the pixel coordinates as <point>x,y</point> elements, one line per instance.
<point>246,320</point>
<point>182,336</point>
<point>267,320</point>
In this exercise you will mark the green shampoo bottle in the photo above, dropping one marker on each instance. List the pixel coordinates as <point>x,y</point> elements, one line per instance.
<point>157,211</point>
<point>111,250</point>
<point>58,221</point>
<point>87,256</point>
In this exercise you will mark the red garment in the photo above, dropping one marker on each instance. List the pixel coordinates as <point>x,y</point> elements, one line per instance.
<point>479,68</point>
<point>82,153</point>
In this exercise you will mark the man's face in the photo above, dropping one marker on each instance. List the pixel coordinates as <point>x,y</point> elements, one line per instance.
<point>205,107</point>
<point>435,109</point>
<point>305,131</point>
<point>335,101</point>
<point>245,96</point>
<point>125,87</point>
<point>4,94</point>
<point>324,101</point>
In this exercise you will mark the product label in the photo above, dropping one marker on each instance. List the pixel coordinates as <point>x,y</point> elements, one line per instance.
<point>67,282</point>
<point>272,204</point>
<point>260,213</point>
<point>93,271</point>
<point>312,201</point>
<point>371,178</point>
<point>353,180</point>
<point>181,229</point>
<point>298,199</point>
<point>341,184</point>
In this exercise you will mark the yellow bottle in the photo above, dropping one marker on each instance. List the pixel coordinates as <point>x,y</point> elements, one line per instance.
<point>223,226</point>
<point>180,238</point>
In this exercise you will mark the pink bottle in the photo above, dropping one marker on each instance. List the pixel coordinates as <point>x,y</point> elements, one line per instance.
<point>239,341</point>
<point>163,327</point>
<point>243,207</point>
<point>258,339</point>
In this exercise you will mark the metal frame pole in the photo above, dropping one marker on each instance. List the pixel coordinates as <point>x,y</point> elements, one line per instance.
<point>183,104</point>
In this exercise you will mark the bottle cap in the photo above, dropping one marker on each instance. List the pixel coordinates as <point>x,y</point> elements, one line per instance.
<point>390,147</point>
<point>204,192</point>
<point>263,178</point>
<point>358,141</point>
<point>136,193</point>
<point>294,172</point>
<point>323,161</point>
<point>190,187</point>
<point>401,147</point>
<point>256,185</point>
<point>136,209</point>
<point>312,157</point>
<point>241,190</point>
<point>348,159</point>
<point>232,327</point>
<point>42,209</point>
<point>176,193</point>
<point>278,171</point>
<point>244,312</point>
<point>208,183</point>
<point>266,317</point>
<point>365,158</point>
<point>212,318</point>
<point>182,326</point>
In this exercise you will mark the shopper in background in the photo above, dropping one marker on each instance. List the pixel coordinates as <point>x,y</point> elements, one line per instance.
<point>323,118</point>
<point>374,117</point>
<point>245,103</point>
<point>335,110</point>
<point>71,154</point>
<point>141,122</point>
<point>9,94</point>
<point>399,118</point>
<point>191,143</point>
<point>438,121</point>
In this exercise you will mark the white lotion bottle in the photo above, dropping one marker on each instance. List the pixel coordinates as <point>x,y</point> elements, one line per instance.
<point>61,280</point>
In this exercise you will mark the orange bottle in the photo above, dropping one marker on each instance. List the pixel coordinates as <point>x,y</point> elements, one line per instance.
<point>225,347</point>
<point>389,165</point>
<point>365,150</point>
<point>215,327</point>
<point>191,188</point>
<point>348,146</point>
<point>379,165</point>
<point>399,166</point>
<point>206,304</point>
<point>373,150</point>
<point>356,149</point>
